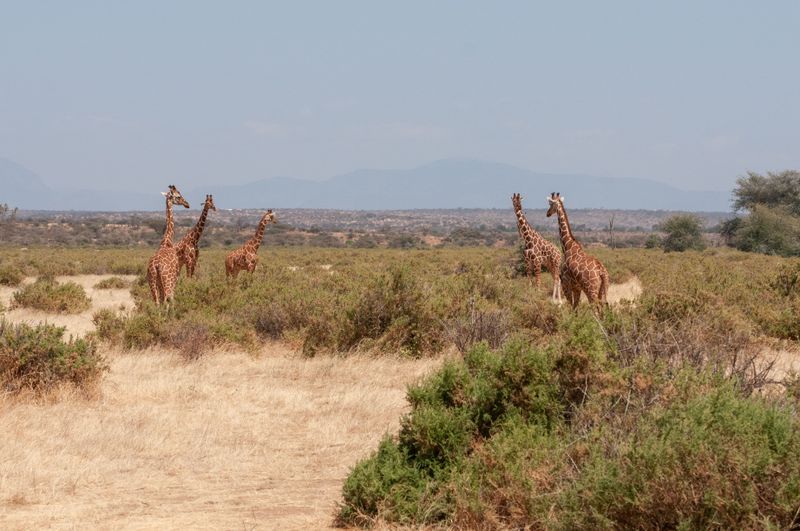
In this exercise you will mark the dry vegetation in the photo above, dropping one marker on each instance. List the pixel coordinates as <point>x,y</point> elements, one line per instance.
<point>232,441</point>
<point>255,398</point>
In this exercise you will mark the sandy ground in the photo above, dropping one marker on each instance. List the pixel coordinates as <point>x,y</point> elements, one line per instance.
<point>231,441</point>
<point>78,324</point>
<point>628,291</point>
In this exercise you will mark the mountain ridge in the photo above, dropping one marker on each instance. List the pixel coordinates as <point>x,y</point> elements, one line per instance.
<point>441,184</point>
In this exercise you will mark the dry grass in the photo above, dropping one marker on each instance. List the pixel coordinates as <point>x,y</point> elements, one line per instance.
<point>77,325</point>
<point>229,441</point>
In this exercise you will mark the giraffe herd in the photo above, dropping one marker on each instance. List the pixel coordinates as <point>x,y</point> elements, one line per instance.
<point>574,272</point>
<point>165,266</point>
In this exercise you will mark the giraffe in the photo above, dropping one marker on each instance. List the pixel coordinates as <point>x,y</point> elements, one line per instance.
<point>580,272</point>
<point>538,250</point>
<point>162,268</point>
<point>187,249</point>
<point>246,256</point>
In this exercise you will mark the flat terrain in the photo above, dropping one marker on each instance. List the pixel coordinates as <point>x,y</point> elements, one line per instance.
<point>232,441</point>
<point>78,324</point>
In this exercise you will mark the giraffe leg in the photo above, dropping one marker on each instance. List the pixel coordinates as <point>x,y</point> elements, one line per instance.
<point>153,283</point>
<point>537,274</point>
<point>557,288</point>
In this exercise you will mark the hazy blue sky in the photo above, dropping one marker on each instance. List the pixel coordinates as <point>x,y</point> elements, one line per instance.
<point>113,93</point>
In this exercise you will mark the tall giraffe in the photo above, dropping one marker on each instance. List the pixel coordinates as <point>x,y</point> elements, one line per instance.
<point>187,248</point>
<point>580,272</point>
<point>162,268</point>
<point>246,256</point>
<point>538,250</point>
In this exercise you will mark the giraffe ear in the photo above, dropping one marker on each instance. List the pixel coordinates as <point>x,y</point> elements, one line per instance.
<point>164,194</point>
<point>562,198</point>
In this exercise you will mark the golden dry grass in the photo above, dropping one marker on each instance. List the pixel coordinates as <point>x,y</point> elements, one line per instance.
<point>230,441</point>
<point>79,324</point>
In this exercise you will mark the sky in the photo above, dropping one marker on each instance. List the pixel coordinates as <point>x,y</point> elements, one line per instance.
<point>128,95</point>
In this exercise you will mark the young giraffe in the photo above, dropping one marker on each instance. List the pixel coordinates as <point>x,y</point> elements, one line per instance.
<point>579,271</point>
<point>538,250</point>
<point>246,256</point>
<point>162,269</point>
<point>187,249</point>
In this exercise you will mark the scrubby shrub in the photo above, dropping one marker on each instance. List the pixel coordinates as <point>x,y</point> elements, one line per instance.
<point>769,230</point>
<point>490,325</point>
<point>47,295</point>
<point>583,435</point>
<point>38,358</point>
<point>146,328</point>
<point>109,325</point>
<point>112,283</point>
<point>191,339</point>
<point>683,232</point>
<point>10,276</point>
<point>392,313</point>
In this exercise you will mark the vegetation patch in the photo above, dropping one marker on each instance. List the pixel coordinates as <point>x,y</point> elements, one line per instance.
<point>113,283</point>
<point>10,276</point>
<point>47,295</point>
<point>38,358</point>
<point>580,435</point>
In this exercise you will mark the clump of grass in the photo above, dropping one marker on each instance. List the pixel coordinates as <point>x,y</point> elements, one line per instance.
<point>47,295</point>
<point>37,358</point>
<point>112,283</point>
<point>10,276</point>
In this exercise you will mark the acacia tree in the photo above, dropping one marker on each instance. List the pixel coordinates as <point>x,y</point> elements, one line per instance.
<point>772,221</point>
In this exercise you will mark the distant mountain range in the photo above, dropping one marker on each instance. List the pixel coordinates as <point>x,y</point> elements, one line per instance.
<point>450,183</point>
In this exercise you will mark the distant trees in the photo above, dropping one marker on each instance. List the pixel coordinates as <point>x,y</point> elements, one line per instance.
<point>772,221</point>
<point>683,232</point>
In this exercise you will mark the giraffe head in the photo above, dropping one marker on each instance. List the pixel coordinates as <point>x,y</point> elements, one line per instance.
<point>210,203</point>
<point>269,217</point>
<point>555,201</point>
<point>175,196</point>
<point>516,200</point>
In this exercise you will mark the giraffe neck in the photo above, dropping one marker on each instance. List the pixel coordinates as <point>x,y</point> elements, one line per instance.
<point>255,241</point>
<point>169,230</point>
<point>565,231</point>
<point>201,224</point>
<point>523,227</point>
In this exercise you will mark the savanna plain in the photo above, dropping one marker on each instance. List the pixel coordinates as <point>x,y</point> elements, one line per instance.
<point>398,388</point>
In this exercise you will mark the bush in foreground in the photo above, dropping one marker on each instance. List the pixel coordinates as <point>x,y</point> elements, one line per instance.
<point>47,295</point>
<point>38,358</point>
<point>576,437</point>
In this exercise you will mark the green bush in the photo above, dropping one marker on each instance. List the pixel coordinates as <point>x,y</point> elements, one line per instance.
<point>683,232</point>
<point>109,325</point>
<point>38,358</point>
<point>769,230</point>
<point>581,436</point>
<point>47,295</point>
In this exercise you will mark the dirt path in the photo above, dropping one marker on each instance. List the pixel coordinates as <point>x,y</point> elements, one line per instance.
<point>228,442</point>
<point>78,324</point>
